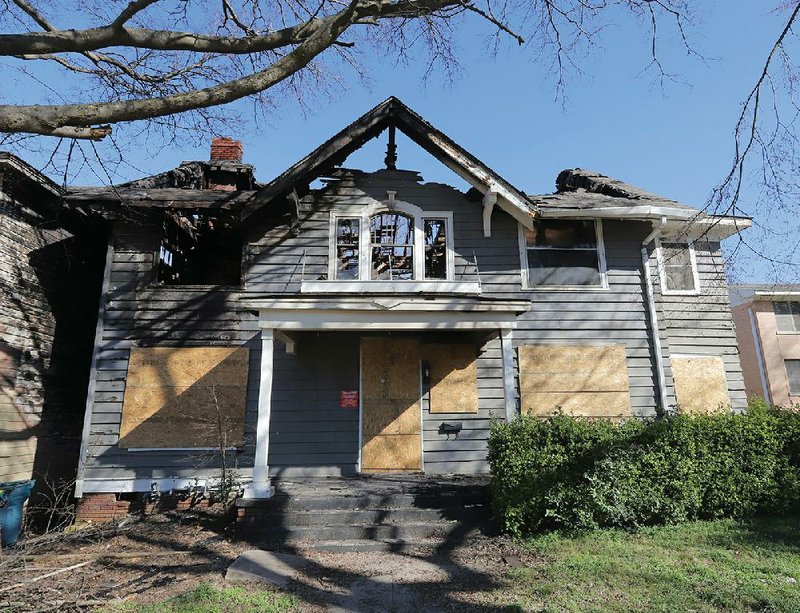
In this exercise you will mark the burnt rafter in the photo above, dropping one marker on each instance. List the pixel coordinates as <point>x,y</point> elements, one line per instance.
<point>392,113</point>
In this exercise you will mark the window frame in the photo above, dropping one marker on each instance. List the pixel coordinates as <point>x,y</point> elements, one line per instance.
<point>789,378</point>
<point>662,273</point>
<point>601,262</point>
<point>364,215</point>
<point>794,329</point>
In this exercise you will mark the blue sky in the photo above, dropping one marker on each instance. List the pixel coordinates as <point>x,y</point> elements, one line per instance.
<point>615,119</point>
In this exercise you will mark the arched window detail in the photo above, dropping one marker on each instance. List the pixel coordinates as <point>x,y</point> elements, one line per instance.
<point>391,237</point>
<point>391,241</point>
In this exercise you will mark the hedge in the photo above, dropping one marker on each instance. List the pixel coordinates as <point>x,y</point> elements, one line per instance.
<point>571,473</point>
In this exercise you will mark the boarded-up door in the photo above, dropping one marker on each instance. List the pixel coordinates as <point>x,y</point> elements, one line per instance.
<point>390,404</point>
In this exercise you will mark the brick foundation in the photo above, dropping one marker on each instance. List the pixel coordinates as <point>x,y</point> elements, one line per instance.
<point>108,507</point>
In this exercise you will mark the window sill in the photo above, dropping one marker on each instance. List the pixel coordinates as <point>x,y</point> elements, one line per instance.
<point>693,292</point>
<point>393,287</point>
<point>567,288</point>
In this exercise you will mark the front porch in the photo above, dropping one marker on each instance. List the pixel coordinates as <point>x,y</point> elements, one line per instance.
<point>377,384</point>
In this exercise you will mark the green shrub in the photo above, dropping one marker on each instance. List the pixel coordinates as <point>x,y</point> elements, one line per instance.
<point>571,473</point>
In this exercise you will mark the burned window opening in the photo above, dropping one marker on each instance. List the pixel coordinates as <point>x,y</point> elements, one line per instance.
<point>199,249</point>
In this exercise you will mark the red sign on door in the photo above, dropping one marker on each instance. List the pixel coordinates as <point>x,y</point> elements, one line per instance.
<point>348,399</point>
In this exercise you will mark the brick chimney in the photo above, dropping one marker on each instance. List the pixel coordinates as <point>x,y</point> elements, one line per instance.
<point>223,148</point>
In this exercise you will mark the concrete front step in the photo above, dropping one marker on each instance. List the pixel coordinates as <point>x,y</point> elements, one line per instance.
<point>367,545</point>
<point>283,503</point>
<point>300,535</point>
<point>471,513</point>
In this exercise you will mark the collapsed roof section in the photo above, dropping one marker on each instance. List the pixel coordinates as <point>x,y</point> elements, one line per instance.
<point>586,194</point>
<point>391,114</point>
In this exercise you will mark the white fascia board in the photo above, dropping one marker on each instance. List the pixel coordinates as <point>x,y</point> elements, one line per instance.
<point>384,304</point>
<point>684,222</point>
<point>776,294</point>
<point>383,287</point>
<point>291,319</point>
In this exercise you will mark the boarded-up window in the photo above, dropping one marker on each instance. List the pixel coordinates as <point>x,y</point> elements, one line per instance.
<point>453,377</point>
<point>185,397</point>
<point>589,381</point>
<point>700,384</point>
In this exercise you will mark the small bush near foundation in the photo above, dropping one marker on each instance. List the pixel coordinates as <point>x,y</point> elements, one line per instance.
<point>572,473</point>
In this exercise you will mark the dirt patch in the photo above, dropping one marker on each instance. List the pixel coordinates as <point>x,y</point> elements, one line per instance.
<point>148,560</point>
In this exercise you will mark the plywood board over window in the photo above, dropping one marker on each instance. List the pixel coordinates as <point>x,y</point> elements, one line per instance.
<point>588,381</point>
<point>185,397</point>
<point>700,383</point>
<point>453,377</point>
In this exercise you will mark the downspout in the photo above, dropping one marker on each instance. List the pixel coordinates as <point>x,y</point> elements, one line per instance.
<point>759,355</point>
<point>651,305</point>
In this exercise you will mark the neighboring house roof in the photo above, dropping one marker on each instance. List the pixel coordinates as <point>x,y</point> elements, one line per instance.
<point>746,292</point>
<point>393,113</point>
<point>585,193</point>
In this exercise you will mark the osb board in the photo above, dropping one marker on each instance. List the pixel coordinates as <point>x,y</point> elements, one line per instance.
<point>391,412</point>
<point>700,384</point>
<point>554,368</point>
<point>390,368</point>
<point>587,381</point>
<point>582,404</point>
<point>392,453</point>
<point>185,397</point>
<point>453,377</point>
<point>390,417</point>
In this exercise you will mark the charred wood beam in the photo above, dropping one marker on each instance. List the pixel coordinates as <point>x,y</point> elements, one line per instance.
<point>158,198</point>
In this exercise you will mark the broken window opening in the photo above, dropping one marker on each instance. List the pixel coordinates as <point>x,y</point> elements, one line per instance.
<point>199,249</point>
<point>347,251</point>
<point>392,247</point>
<point>563,253</point>
<point>435,248</point>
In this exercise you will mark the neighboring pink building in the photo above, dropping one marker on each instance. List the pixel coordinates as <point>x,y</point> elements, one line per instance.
<point>767,319</point>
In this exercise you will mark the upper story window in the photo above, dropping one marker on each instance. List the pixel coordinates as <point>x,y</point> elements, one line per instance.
<point>401,243</point>
<point>391,247</point>
<point>563,254</point>
<point>199,249</point>
<point>787,315</point>
<point>678,267</point>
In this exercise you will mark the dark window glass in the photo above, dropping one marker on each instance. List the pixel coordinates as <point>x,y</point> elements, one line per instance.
<point>392,247</point>
<point>793,373</point>
<point>563,253</point>
<point>435,248</point>
<point>347,237</point>
<point>787,316</point>
<point>563,267</point>
<point>677,263</point>
<point>562,234</point>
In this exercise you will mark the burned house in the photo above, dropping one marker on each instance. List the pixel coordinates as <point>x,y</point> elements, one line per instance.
<point>338,322</point>
<point>51,262</point>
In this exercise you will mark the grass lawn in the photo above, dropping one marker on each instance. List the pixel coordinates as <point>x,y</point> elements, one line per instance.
<point>207,598</point>
<point>703,566</point>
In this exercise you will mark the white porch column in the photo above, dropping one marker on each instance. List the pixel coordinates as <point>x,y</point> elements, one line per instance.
<point>261,488</point>
<point>509,388</point>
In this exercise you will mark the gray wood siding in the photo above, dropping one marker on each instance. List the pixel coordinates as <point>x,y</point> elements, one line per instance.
<point>139,313</point>
<point>702,324</point>
<point>465,453</point>
<point>310,434</point>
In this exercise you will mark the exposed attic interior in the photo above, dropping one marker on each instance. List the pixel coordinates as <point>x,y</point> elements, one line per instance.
<point>202,248</point>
